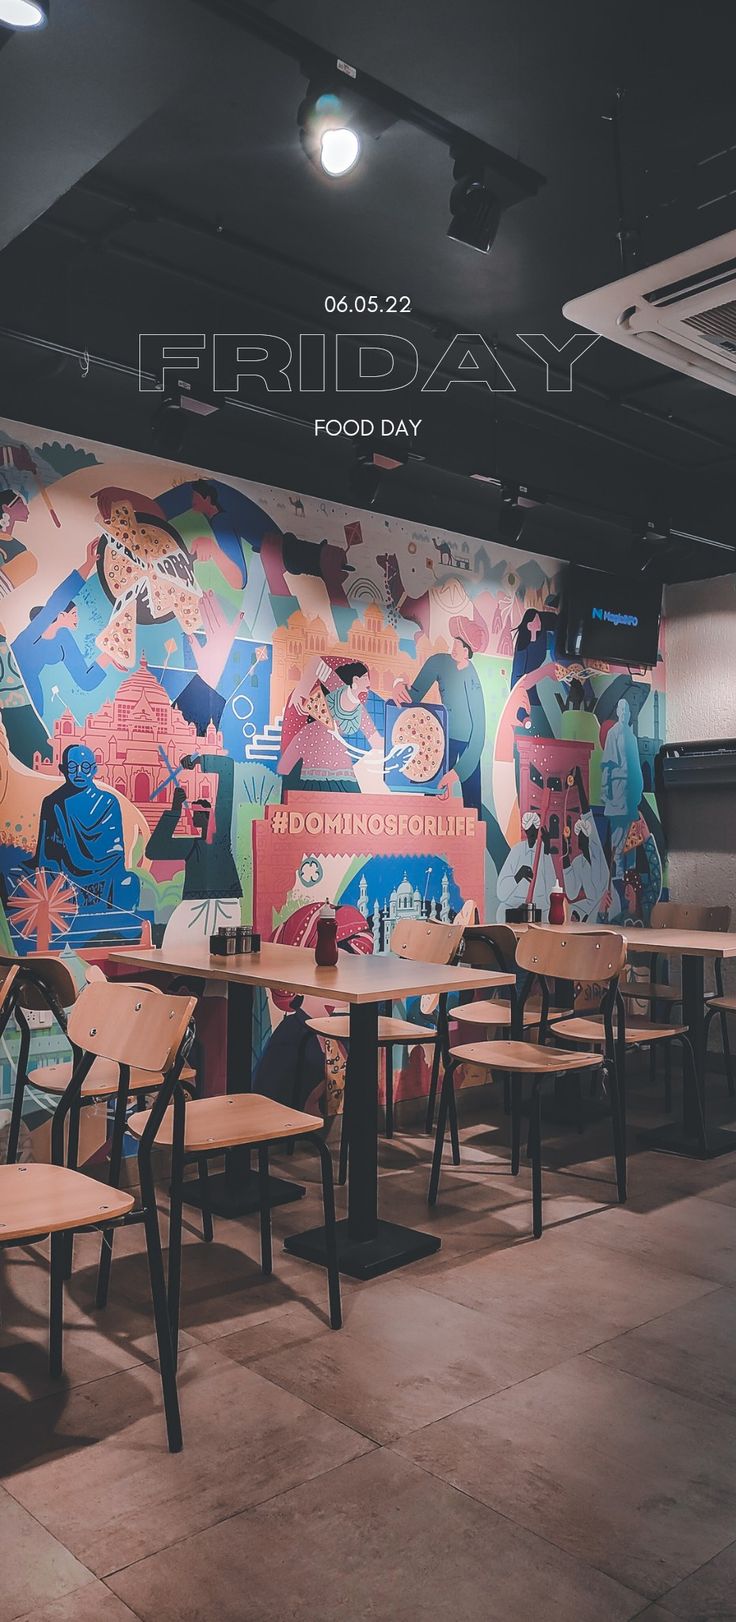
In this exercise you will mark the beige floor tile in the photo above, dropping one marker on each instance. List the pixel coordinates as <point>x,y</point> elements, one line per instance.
<point>35,1567</point>
<point>404,1358</point>
<point>688,1350</point>
<point>374,1540</point>
<point>126,1495</point>
<point>557,1295</point>
<point>709,1595</point>
<point>93,1603</point>
<point>690,1234</point>
<point>636,1480</point>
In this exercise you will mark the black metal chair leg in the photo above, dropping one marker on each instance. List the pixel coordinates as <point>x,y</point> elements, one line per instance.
<point>447,1090</point>
<point>618,1124</point>
<point>116,1162</point>
<point>297,1089</point>
<point>265,1208</point>
<point>667,1075</point>
<point>167,1362</point>
<point>203,1173</point>
<point>516,1102</point>
<point>535,1121</point>
<point>175,1220</point>
<point>452,1115</point>
<point>389,1092</point>
<point>16,1117</point>
<point>56,1303</point>
<point>342,1172</point>
<point>72,1160</point>
<point>328,1205</point>
<point>432,1094</point>
<point>727,1054</point>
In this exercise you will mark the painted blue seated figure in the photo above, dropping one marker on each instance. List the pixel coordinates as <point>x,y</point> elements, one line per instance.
<point>80,834</point>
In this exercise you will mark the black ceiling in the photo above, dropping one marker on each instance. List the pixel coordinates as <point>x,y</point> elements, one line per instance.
<point>158,183</point>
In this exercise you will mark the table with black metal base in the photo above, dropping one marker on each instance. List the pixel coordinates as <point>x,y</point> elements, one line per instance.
<point>235,1191</point>
<point>685,1137</point>
<point>367,1245</point>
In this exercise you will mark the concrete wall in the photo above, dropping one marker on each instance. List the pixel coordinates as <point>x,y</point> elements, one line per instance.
<point>701,703</point>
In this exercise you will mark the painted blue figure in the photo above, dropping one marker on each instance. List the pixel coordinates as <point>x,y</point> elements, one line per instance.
<point>622,783</point>
<point>48,639</point>
<point>80,834</point>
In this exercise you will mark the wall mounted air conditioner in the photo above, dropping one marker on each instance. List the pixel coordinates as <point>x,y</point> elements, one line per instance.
<point>697,765</point>
<point>681,312</point>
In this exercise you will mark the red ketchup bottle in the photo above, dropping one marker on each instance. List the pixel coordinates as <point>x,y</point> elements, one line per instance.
<point>557,904</point>
<point>325,951</point>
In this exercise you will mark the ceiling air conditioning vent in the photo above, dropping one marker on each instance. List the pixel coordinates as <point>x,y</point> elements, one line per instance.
<point>681,313</point>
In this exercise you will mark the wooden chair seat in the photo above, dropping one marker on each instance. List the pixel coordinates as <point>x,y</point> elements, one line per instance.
<point>390,1030</point>
<point>492,1011</point>
<point>40,1199</point>
<point>226,1121</point>
<point>524,1058</point>
<point>726,1005</point>
<point>587,1028</point>
<point>103,1080</point>
<point>649,991</point>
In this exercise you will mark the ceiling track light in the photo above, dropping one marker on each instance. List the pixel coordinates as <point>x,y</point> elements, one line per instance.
<point>24,14</point>
<point>335,123</point>
<point>475,208</point>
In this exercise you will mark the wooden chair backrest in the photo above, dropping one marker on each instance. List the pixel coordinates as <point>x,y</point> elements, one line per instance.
<point>597,956</point>
<point>8,977</point>
<point>675,915</point>
<point>137,1026</point>
<point>423,942</point>
<point>50,970</point>
<point>479,953</point>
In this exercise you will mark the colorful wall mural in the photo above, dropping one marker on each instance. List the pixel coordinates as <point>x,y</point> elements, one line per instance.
<point>220,700</point>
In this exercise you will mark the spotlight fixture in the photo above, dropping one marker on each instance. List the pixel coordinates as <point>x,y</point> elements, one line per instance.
<point>335,123</point>
<point>168,428</point>
<point>474,206</point>
<point>339,151</point>
<point>24,13</point>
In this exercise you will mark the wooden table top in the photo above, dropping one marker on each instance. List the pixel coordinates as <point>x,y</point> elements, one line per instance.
<point>357,978</point>
<point>678,942</point>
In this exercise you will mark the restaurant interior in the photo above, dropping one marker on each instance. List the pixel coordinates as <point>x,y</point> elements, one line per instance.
<point>367,835</point>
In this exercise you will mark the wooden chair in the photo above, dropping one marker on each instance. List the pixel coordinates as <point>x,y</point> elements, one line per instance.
<point>135,1028</point>
<point>419,941</point>
<point>662,995</point>
<point>201,1127</point>
<point>595,958</point>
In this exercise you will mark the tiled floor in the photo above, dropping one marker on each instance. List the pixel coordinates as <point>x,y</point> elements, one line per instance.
<point>507,1430</point>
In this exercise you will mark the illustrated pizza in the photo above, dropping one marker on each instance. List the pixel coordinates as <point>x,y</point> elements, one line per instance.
<point>420,730</point>
<point>149,577</point>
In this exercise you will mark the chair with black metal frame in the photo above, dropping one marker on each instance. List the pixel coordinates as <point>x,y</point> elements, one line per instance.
<point>721,1004</point>
<point>544,955</point>
<point>133,1027</point>
<point>418,940</point>
<point>661,994</point>
<point>196,1128</point>
<point>46,984</point>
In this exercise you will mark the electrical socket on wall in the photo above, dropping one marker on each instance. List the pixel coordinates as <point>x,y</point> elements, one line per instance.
<point>39,1018</point>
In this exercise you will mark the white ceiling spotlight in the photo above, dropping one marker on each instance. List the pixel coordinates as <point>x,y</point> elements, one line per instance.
<point>24,13</point>
<point>339,151</point>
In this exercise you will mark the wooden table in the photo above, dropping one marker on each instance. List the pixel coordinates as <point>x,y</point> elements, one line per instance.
<point>367,1245</point>
<point>693,946</point>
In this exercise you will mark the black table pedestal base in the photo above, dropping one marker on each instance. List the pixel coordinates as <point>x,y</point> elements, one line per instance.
<point>671,1140</point>
<point>391,1246</point>
<point>237,1197</point>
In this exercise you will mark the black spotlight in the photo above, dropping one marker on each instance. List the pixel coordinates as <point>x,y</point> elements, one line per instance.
<point>24,13</point>
<point>475,209</point>
<point>168,428</point>
<point>511,517</point>
<point>327,128</point>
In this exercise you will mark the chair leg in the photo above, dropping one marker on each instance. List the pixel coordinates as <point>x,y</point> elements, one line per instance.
<point>618,1123</point>
<point>175,1221</point>
<point>16,1117</point>
<point>446,1093</point>
<point>328,1205</point>
<point>342,1173</point>
<point>59,1250</point>
<point>265,1207</point>
<point>727,1054</point>
<point>203,1173</point>
<point>296,1091</point>
<point>452,1114</point>
<point>116,1162</point>
<point>535,1122</point>
<point>167,1363</point>
<point>432,1094</point>
<point>389,1092</point>
<point>72,1160</point>
<point>667,1075</point>
<point>515,1122</point>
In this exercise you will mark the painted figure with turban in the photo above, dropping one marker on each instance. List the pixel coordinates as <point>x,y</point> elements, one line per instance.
<point>462,695</point>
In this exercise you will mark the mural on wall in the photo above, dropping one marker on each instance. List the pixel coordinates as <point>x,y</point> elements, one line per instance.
<point>221,699</point>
